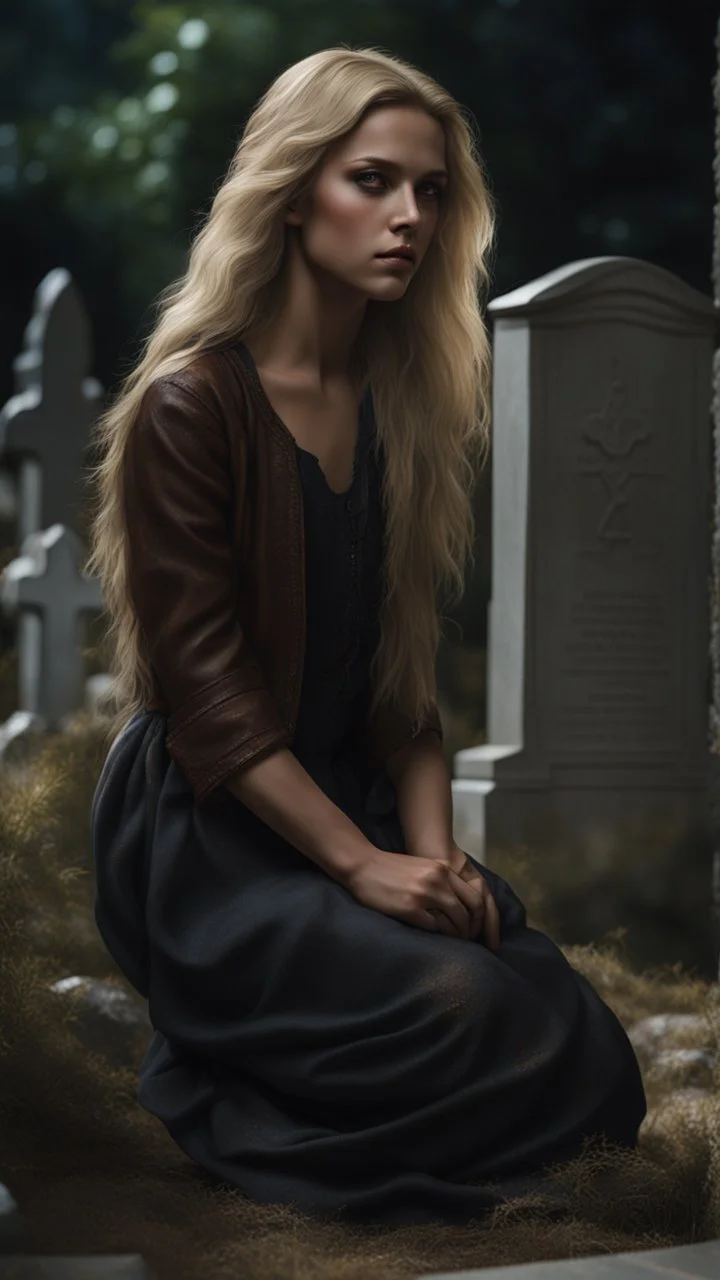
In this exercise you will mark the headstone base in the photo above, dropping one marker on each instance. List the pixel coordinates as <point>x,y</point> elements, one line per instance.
<point>594,823</point>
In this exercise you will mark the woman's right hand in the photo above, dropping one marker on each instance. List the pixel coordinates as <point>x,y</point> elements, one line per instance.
<point>410,888</point>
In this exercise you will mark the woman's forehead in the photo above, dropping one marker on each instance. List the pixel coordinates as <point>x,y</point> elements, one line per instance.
<point>401,134</point>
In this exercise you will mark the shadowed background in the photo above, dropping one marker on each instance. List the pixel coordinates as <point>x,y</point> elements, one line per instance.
<point>117,122</point>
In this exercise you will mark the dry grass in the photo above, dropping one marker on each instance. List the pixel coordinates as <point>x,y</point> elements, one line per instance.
<point>94,1173</point>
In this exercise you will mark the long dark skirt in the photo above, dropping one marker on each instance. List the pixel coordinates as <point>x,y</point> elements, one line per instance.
<point>310,1050</point>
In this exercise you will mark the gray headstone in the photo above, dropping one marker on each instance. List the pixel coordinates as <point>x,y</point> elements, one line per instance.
<point>46,588</point>
<point>598,648</point>
<point>45,427</point>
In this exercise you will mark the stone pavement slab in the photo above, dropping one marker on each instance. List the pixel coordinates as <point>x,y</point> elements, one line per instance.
<point>127,1266</point>
<point>684,1262</point>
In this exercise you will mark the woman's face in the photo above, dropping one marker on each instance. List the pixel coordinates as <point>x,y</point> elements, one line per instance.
<point>380,188</point>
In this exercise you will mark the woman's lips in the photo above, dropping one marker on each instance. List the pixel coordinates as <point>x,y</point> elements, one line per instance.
<point>395,260</point>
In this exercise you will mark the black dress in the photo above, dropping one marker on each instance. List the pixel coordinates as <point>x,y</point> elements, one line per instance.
<point>308,1049</point>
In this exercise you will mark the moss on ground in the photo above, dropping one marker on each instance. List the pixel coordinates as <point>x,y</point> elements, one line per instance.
<point>94,1173</point>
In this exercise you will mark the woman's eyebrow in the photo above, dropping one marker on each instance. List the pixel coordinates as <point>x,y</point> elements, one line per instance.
<point>390,164</point>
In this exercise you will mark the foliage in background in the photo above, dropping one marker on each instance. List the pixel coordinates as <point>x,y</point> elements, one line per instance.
<point>118,121</point>
<point>121,118</point>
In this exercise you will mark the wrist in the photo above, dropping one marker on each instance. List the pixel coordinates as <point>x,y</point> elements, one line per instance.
<point>347,858</point>
<point>432,849</point>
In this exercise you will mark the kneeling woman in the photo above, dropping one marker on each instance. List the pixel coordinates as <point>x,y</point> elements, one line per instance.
<point>350,1013</point>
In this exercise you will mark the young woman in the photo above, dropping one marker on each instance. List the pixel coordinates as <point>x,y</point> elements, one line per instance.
<point>350,1014</point>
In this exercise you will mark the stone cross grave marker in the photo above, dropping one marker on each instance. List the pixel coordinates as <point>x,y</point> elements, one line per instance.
<point>45,586</point>
<point>45,426</point>
<point>44,433</point>
<point>598,636</point>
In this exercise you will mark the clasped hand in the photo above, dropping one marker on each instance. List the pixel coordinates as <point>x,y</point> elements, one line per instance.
<point>477,898</point>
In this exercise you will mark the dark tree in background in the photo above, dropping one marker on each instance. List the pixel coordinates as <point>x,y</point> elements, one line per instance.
<point>117,122</point>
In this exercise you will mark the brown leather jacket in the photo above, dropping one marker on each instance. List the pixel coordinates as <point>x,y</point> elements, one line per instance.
<point>213,503</point>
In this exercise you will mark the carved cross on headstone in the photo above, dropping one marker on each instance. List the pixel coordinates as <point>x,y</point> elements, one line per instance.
<point>45,427</point>
<point>46,587</point>
<point>618,433</point>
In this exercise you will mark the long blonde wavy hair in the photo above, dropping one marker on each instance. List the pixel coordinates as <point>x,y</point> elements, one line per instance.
<point>426,358</point>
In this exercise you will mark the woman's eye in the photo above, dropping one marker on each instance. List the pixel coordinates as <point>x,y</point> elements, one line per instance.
<point>373,173</point>
<point>365,177</point>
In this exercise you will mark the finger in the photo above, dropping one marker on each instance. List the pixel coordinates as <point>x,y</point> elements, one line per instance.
<point>470,899</point>
<point>487,914</point>
<point>470,868</point>
<point>457,913</point>
<point>479,920</point>
<point>426,920</point>
<point>444,924</point>
<point>490,914</point>
<point>439,898</point>
<point>479,885</point>
<point>477,916</point>
<point>435,921</point>
<point>492,922</point>
<point>464,889</point>
<point>446,901</point>
<point>476,886</point>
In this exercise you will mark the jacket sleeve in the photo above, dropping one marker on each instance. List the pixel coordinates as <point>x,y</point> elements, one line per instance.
<point>388,729</point>
<point>179,496</point>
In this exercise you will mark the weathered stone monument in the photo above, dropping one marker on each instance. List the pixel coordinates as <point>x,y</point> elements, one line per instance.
<point>44,586</point>
<point>45,425</point>
<point>598,637</point>
<point>44,432</point>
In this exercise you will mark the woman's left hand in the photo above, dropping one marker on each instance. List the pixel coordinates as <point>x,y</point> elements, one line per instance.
<point>485,917</point>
